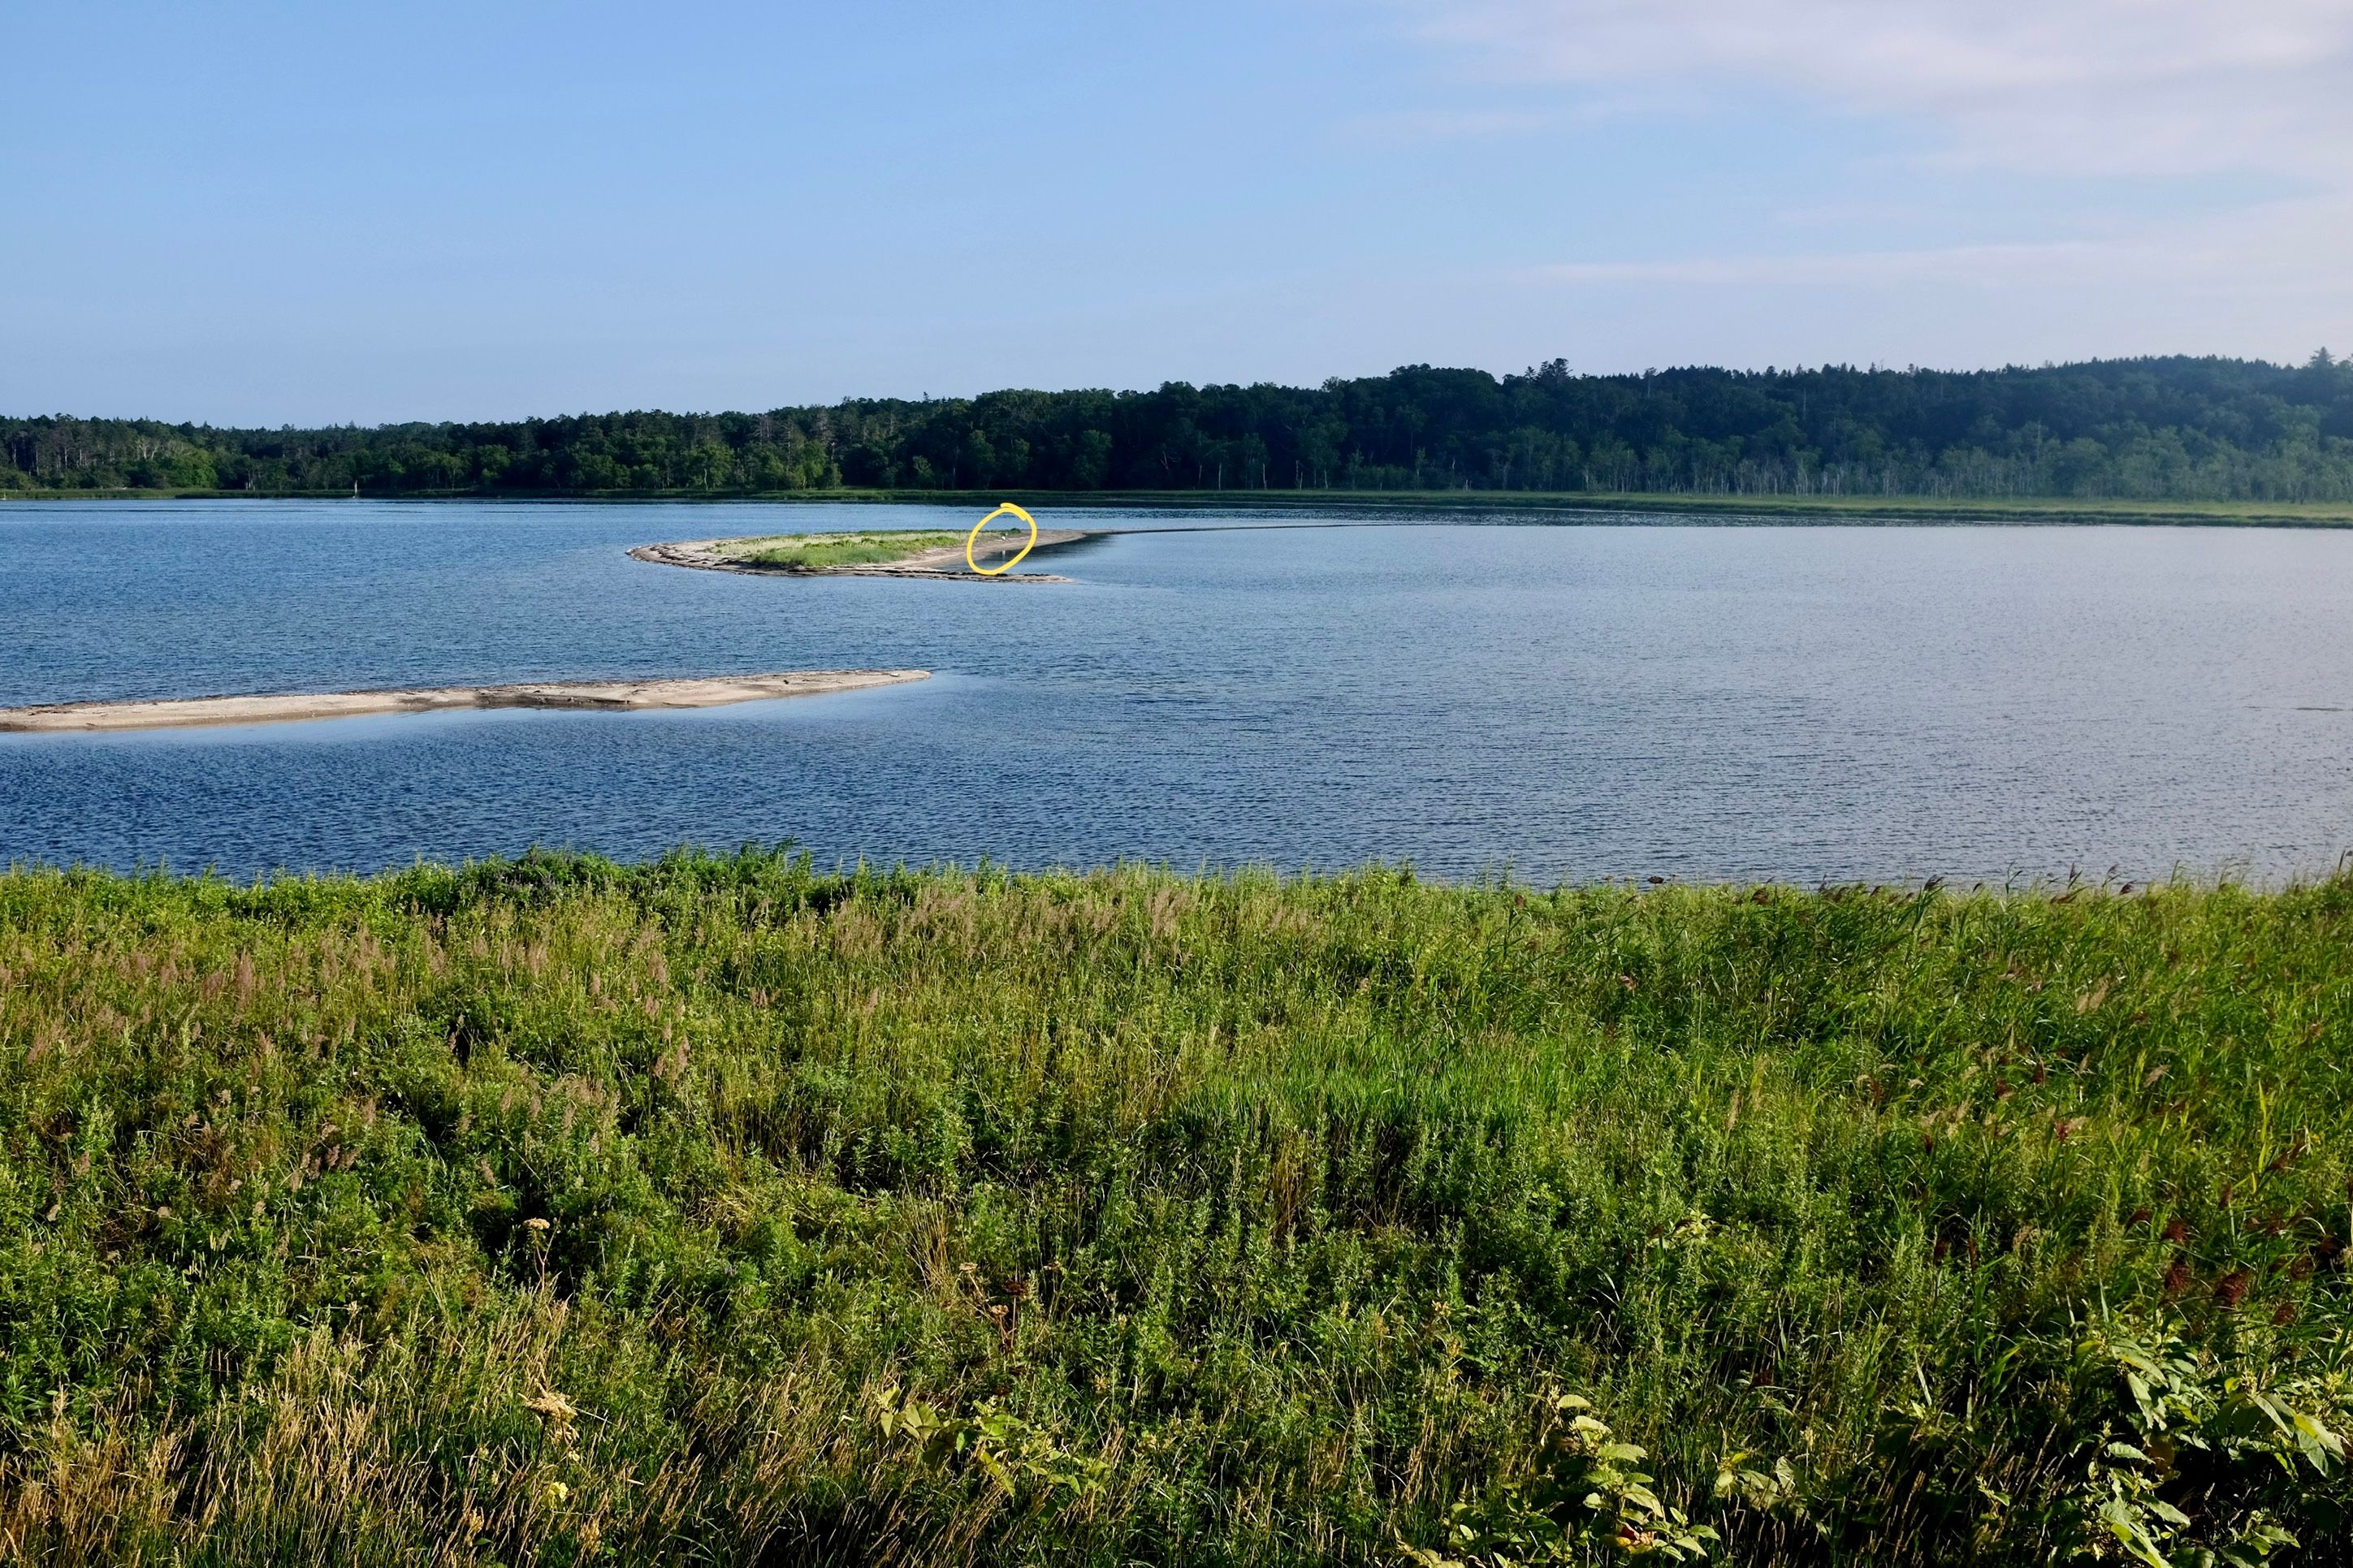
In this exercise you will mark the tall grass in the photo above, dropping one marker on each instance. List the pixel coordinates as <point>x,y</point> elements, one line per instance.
<point>808,552</point>
<point>721,1210</point>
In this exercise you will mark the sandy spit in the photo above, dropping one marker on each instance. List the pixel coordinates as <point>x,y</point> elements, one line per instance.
<point>708,555</point>
<point>610,696</point>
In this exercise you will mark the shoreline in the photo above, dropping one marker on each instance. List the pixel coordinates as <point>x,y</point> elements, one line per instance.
<point>1615,506</point>
<point>592,696</point>
<point>943,563</point>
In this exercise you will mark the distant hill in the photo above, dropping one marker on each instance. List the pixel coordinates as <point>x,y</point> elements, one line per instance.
<point>2145,429</point>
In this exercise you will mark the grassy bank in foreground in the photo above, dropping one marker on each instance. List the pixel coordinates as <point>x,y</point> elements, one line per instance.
<point>1570,504</point>
<point>719,1210</point>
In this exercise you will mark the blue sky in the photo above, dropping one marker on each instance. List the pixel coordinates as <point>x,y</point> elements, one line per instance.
<point>303,214</point>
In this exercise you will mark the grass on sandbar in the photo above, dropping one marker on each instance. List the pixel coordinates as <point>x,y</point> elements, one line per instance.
<point>818,550</point>
<point>719,1210</point>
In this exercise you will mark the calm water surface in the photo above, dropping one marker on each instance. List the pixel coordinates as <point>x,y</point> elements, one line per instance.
<point>1558,701</point>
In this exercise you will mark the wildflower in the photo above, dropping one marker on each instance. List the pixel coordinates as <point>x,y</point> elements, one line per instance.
<point>552,1405</point>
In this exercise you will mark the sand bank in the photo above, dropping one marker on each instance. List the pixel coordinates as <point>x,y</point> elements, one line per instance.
<point>612,695</point>
<point>715,555</point>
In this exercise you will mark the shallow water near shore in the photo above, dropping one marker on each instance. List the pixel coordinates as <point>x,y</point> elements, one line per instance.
<point>1559,702</point>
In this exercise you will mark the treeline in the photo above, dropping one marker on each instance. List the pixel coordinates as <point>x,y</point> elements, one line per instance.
<point>2178,428</point>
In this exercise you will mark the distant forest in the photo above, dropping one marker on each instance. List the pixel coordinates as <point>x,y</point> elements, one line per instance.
<point>2190,429</point>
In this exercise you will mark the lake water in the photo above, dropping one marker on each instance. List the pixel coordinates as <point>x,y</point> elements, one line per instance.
<point>1471,695</point>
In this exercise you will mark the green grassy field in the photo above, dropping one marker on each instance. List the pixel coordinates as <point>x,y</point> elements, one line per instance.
<point>719,1210</point>
<point>818,550</point>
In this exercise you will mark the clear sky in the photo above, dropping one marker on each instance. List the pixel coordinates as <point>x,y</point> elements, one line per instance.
<point>313,213</point>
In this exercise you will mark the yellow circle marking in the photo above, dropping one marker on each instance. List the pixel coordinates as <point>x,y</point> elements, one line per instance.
<point>969,539</point>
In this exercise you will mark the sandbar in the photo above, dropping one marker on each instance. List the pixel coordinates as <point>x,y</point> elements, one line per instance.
<point>946,562</point>
<point>608,696</point>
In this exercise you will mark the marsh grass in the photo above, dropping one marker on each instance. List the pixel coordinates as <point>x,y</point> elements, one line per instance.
<point>722,1210</point>
<point>818,549</point>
